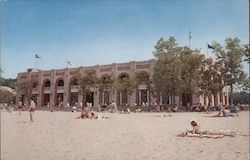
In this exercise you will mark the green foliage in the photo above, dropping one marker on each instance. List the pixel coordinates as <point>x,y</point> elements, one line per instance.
<point>6,96</point>
<point>246,52</point>
<point>190,72</point>
<point>125,84</point>
<point>107,83</point>
<point>26,86</point>
<point>241,97</point>
<point>168,67</point>
<point>210,78</point>
<point>9,82</point>
<point>86,82</point>
<point>230,59</point>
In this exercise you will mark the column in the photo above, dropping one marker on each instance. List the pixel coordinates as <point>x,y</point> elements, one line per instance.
<point>40,85</point>
<point>66,87</point>
<point>52,88</point>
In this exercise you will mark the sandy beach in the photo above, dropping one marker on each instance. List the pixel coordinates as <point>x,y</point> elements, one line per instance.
<point>135,136</point>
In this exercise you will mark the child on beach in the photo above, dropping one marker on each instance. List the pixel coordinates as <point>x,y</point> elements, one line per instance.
<point>19,106</point>
<point>32,109</point>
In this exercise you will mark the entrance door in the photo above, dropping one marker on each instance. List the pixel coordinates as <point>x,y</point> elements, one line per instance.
<point>124,97</point>
<point>90,98</point>
<point>74,97</point>
<point>59,98</point>
<point>46,99</point>
<point>144,96</point>
<point>106,97</point>
<point>165,99</point>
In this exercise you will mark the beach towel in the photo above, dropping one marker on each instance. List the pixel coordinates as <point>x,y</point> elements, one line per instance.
<point>200,135</point>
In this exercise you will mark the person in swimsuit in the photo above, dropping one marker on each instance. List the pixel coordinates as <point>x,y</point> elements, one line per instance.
<point>32,109</point>
<point>19,105</point>
<point>197,130</point>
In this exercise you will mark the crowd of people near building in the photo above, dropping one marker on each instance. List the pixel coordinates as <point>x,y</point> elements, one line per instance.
<point>113,107</point>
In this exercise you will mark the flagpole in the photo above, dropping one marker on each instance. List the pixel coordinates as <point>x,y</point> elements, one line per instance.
<point>189,39</point>
<point>35,62</point>
<point>207,49</point>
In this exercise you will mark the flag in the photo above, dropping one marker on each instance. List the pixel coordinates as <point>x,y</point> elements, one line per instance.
<point>210,46</point>
<point>36,56</point>
<point>68,62</point>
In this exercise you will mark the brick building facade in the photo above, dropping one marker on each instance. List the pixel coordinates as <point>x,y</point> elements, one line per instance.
<point>58,86</point>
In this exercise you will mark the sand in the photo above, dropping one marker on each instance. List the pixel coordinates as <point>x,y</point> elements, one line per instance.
<point>135,136</point>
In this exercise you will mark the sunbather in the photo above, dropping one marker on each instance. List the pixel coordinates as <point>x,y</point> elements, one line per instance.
<point>197,130</point>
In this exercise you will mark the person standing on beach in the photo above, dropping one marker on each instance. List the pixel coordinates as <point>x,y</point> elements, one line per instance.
<point>19,106</point>
<point>32,109</point>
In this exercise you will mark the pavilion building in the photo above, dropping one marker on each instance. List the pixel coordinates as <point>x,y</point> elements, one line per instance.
<point>57,86</point>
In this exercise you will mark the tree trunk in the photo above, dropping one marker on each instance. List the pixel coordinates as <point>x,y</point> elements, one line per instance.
<point>173,100</point>
<point>231,95</point>
<point>205,100</point>
<point>83,100</point>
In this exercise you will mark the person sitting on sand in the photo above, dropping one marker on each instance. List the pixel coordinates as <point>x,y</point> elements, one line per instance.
<point>128,110</point>
<point>84,115</point>
<point>225,112</point>
<point>197,130</point>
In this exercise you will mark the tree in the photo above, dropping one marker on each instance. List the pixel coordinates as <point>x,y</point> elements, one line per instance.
<point>230,58</point>
<point>9,82</point>
<point>246,52</point>
<point>167,69</point>
<point>6,96</point>
<point>125,84</point>
<point>210,79</point>
<point>143,78</point>
<point>241,97</point>
<point>25,86</point>
<point>191,64</point>
<point>86,83</point>
<point>107,84</point>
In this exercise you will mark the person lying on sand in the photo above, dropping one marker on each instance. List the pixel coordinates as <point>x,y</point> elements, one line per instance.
<point>197,130</point>
<point>92,115</point>
<point>164,115</point>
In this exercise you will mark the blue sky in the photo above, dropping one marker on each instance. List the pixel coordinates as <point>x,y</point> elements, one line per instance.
<point>103,32</point>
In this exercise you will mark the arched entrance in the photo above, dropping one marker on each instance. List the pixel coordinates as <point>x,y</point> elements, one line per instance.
<point>122,95</point>
<point>59,92</point>
<point>46,92</point>
<point>74,91</point>
<point>105,89</point>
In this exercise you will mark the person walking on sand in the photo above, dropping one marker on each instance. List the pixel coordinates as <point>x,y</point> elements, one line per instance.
<point>32,109</point>
<point>19,106</point>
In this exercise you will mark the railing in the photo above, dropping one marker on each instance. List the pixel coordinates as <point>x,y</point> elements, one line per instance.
<point>60,87</point>
<point>74,87</point>
<point>34,89</point>
<point>47,88</point>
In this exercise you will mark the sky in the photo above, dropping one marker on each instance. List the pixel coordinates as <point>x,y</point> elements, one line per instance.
<point>110,31</point>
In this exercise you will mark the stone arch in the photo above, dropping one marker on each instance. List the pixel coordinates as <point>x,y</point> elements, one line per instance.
<point>73,96</point>
<point>45,97</point>
<point>104,92</point>
<point>105,78</point>
<point>59,97</point>
<point>143,95</point>
<point>122,96</point>
<point>123,75</point>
